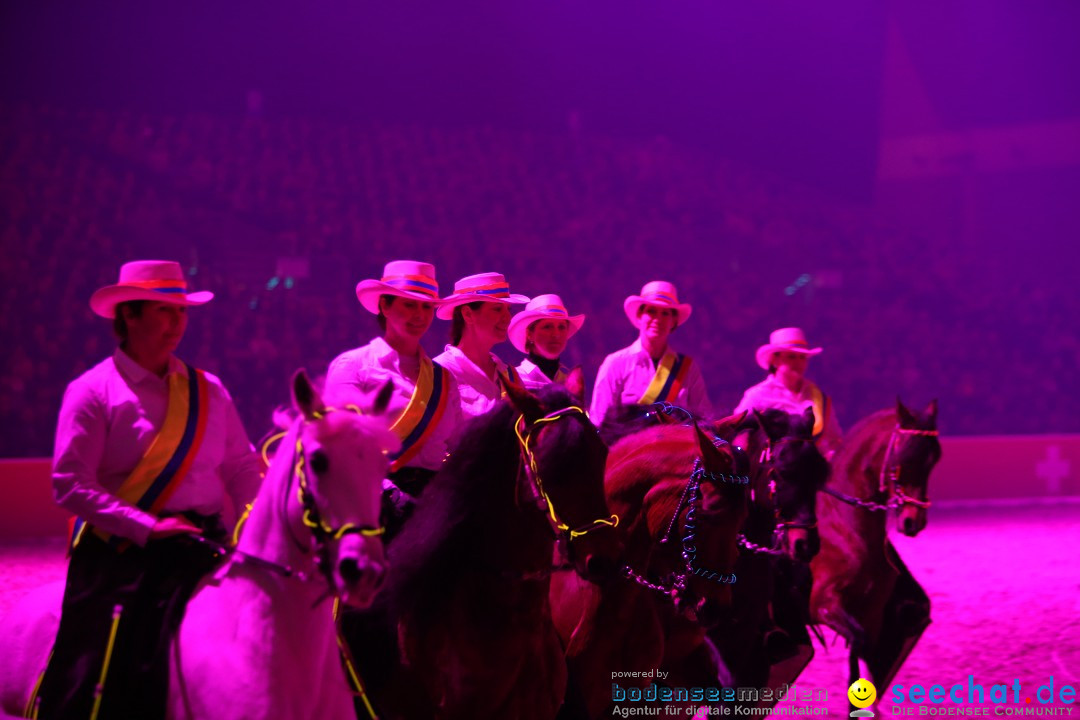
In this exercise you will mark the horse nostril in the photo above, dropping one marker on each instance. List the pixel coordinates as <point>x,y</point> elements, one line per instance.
<point>800,548</point>
<point>599,567</point>
<point>349,569</point>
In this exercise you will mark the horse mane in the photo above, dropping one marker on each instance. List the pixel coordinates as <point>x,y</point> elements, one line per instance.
<point>455,511</point>
<point>665,448</point>
<point>858,455</point>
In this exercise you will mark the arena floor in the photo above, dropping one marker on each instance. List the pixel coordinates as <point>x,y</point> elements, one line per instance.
<point>1005,586</point>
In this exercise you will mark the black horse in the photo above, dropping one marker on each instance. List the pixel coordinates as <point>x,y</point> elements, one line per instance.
<point>764,642</point>
<point>468,586</point>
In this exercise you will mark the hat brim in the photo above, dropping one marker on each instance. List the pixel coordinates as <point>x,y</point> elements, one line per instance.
<point>632,303</point>
<point>446,309</point>
<point>368,293</point>
<point>518,331</point>
<point>104,301</point>
<point>765,352</point>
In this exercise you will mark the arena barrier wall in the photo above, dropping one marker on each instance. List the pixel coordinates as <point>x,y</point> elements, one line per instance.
<point>972,471</point>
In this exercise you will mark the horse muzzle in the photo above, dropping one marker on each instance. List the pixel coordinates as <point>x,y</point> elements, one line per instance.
<point>360,570</point>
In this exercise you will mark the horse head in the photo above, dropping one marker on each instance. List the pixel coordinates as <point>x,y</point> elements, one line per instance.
<point>563,461</point>
<point>788,473</point>
<point>693,506</point>
<point>912,452</point>
<point>339,461</point>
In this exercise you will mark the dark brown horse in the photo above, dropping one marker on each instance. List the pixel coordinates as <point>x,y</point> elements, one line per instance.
<point>763,640</point>
<point>681,505</point>
<point>470,572</point>
<point>861,587</point>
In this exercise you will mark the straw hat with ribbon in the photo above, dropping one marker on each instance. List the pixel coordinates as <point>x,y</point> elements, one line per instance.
<point>154,280</point>
<point>661,294</point>
<point>485,287</point>
<point>541,307</point>
<point>789,339</point>
<point>401,278</point>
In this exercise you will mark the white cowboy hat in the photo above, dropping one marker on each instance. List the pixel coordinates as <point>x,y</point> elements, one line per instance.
<point>401,278</point>
<point>485,287</point>
<point>539,308</point>
<point>155,280</point>
<point>789,339</point>
<point>659,293</point>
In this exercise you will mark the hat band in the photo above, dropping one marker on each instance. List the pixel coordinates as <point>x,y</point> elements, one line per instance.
<point>670,300</point>
<point>413,283</point>
<point>161,286</point>
<point>500,290</point>
<point>557,310</point>
<point>794,343</point>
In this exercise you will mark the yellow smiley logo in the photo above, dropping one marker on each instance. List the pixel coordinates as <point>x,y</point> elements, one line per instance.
<point>862,693</point>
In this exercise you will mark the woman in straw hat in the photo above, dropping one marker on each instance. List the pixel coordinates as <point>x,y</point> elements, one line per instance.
<point>649,370</point>
<point>787,388</point>
<point>425,399</point>
<point>479,311</point>
<point>146,449</point>
<point>541,331</point>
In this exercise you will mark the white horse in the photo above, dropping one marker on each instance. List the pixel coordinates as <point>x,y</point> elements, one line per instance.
<point>258,639</point>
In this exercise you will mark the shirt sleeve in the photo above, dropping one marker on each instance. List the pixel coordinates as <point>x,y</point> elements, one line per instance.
<point>240,468</point>
<point>605,392</point>
<point>747,403</point>
<point>831,435</point>
<point>696,394</point>
<point>341,377</point>
<point>77,455</point>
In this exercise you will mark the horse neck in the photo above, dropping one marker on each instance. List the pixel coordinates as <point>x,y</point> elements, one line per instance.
<point>273,530</point>
<point>856,474</point>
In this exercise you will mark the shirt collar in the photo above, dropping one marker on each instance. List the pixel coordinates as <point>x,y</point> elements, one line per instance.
<point>137,373</point>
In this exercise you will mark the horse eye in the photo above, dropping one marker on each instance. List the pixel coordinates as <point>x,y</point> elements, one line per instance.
<point>319,462</point>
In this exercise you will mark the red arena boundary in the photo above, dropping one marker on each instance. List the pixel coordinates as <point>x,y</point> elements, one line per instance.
<point>973,471</point>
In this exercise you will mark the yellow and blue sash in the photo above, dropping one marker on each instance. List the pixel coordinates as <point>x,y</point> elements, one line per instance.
<point>670,376</point>
<point>821,408</point>
<point>423,413</point>
<point>167,461</point>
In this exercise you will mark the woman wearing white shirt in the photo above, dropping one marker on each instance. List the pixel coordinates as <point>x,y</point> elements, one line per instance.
<point>787,388</point>
<point>541,331</point>
<point>479,311</point>
<point>650,370</point>
<point>425,401</point>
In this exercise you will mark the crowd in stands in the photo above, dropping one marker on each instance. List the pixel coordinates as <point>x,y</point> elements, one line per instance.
<point>281,218</point>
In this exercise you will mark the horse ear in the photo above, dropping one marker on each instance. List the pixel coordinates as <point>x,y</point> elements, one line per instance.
<point>807,426</point>
<point>575,384</point>
<point>382,399</point>
<point>931,412</point>
<point>903,415</point>
<point>711,457</point>
<point>523,401</point>
<point>728,427</point>
<point>769,428</point>
<point>306,398</point>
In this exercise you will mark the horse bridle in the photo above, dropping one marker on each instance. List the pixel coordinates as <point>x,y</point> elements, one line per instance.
<point>321,531</point>
<point>525,432</point>
<point>781,525</point>
<point>690,499</point>
<point>889,479</point>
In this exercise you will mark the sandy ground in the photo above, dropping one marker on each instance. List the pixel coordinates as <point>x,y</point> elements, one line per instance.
<point>1004,582</point>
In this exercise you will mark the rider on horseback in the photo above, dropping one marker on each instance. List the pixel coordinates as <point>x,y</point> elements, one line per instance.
<point>146,448</point>
<point>649,370</point>
<point>787,388</point>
